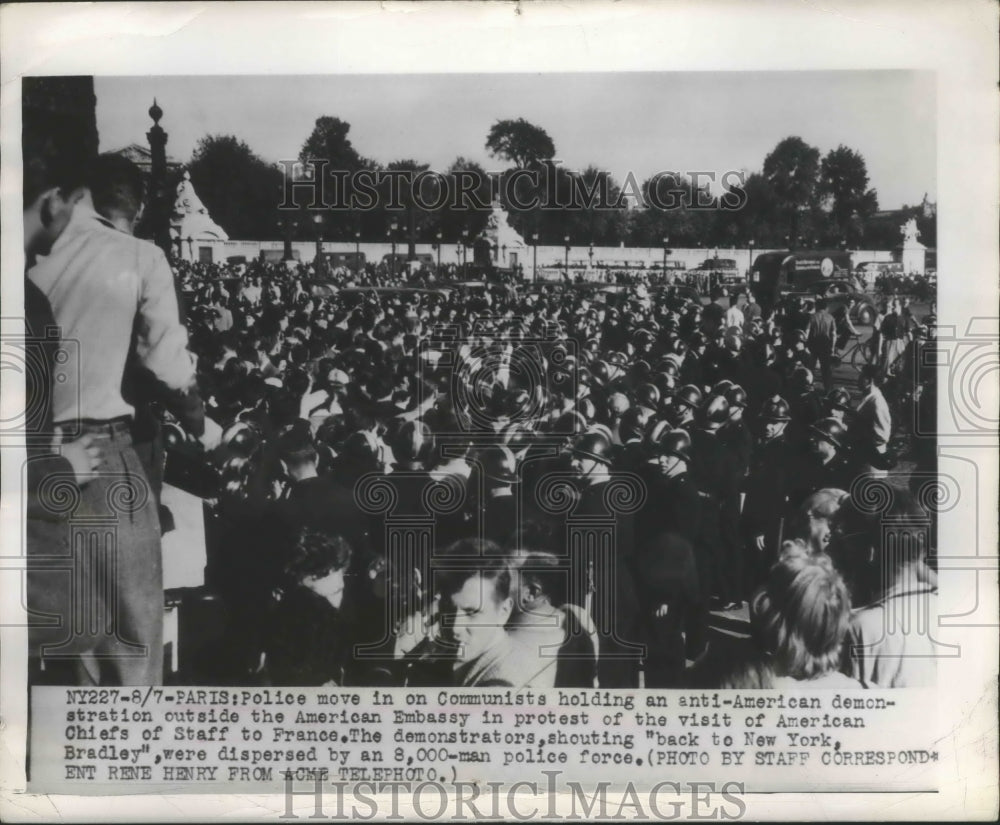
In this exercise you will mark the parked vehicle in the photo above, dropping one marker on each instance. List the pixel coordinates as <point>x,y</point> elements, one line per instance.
<point>276,256</point>
<point>775,273</point>
<point>403,259</point>
<point>354,261</point>
<point>837,292</point>
<point>720,271</point>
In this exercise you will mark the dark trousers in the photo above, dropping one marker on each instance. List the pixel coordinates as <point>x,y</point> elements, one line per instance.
<point>665,647</point>
<point>823,353</point>
<point>110,586</point>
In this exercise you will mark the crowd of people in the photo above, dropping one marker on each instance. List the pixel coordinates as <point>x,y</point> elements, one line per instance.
<point>921,287</point>
<point>699,436</point>
<point>503,486</point>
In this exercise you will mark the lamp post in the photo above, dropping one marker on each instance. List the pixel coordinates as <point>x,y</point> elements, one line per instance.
<point>534,265</point>
<point>590,254</point>
<point>566,265</point>
<point>465,255</point>
<point>503,253</point>
<point>318,265</point>
<point>666,240</point>
<point>392,237</point>
<point>438,246</point>
<point>750,267</point>
<point>357,252</point>
<point>286,233</point>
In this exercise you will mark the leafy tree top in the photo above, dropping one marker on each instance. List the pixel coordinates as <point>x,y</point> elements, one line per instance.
<point>522,143</point>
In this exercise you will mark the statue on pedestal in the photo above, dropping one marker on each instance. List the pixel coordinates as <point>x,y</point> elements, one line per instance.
<point>910,232</point>
<point>912,252</point>
<point>190,220</point>
<point>502,237</point>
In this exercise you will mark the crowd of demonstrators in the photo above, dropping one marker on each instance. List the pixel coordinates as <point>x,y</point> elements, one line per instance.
<point>920,287</point>
<point>418,475</point>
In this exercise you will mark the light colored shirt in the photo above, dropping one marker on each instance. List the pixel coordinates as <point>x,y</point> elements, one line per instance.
<point>873,412</point>
<point>501,665</point>
<point>99,281</point>
<point>733,317</point>
<point>891,641</point>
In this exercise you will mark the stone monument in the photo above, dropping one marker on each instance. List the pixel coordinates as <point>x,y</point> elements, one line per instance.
<point>190,220</point>
<point>506,245</point>
<point>913,253</point>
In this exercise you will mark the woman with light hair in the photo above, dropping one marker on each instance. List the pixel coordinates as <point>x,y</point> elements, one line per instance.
<point>800,619</point>
<point>813,521</point>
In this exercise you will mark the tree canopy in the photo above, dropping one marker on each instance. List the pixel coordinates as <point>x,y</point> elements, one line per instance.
<point>797,198</point>
<point>522,143</point>
<point>239,189</point>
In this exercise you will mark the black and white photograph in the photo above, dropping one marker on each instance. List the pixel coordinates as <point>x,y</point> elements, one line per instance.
<point>492,420</point>
<point>570,395</point>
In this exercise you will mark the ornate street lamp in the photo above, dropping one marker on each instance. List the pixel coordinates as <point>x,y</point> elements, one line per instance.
<point>465,254</point>
<point>392,236</point>
<point>286,232</point>
<point>666,240</point>
<point>438,247</point>
<point>534,265</point>
<point>750,267</point>
<point>357,252</point>
<point>566,267</point>
<point>318,264</point>
<point>590,254</point>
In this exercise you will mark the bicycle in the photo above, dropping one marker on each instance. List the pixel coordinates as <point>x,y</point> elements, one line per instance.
<point>857,353</point>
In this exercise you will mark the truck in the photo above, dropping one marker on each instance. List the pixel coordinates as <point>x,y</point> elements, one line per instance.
<point>776,273</point>
<point>353,261</point>
<point>720,270</point>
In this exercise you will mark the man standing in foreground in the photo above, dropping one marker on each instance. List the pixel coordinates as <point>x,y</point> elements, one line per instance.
<point>100,283</point>
<point>822,340</point>
<point>476,602</point>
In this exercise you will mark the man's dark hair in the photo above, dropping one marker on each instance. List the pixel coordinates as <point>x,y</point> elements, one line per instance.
<point>116,186</point>
<point>460,561</point>
<point>899,532</point>
<point>315,555</point>
<point>543,571</point>
<point>296,446</point>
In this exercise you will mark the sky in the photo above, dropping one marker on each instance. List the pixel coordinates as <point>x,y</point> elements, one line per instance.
<point>619,121</point>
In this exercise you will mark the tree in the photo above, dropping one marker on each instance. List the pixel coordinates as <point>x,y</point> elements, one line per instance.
<point>792,169</point>
<point>469,211</point>
<point>328,145</point>
<point>673,207</point>
<point>522,143</point>
<point>240,190</point>
<point>412,222</point>
<point>757,219</point>
<point>601,216</point>
<point>329,142</point>
<point>844,186</point>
